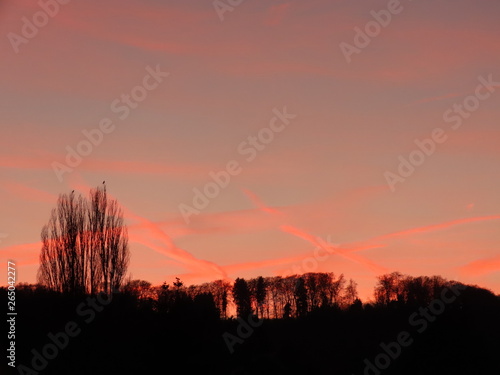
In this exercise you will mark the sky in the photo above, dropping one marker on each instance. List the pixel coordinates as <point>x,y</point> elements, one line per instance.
<point>247,138</point>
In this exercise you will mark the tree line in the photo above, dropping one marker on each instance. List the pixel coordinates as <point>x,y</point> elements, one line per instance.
<point>293,296</point>
<point>315,322</point>
<point>266,297</point>
<point>85,251</point>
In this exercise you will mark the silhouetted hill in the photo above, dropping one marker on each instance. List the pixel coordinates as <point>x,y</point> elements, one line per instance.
<point>455,332</point>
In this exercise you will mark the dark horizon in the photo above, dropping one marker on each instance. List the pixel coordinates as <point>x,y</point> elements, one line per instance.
<point>425,319</point>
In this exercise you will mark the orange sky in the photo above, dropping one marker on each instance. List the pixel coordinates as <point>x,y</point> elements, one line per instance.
<point>230,76</point>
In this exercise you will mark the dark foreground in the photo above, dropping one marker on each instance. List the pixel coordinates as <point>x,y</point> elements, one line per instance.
<point>459,337</point>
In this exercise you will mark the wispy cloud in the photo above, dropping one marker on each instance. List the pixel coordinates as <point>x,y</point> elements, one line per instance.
<point>481,266</point>
<point>314,240</point>
<point>156,239</point>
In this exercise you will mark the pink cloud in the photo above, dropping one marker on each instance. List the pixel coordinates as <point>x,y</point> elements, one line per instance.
<point>314,240</point>
<point>103,165</point>
<point>28,193</point>
<point>24,254</point>
<point>162,244</point>
<point>336,250</point>
<point>481,266</point>
<point>440,226</point>
<point>260,205</point>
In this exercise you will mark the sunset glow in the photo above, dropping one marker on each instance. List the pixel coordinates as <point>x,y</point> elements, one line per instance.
<point>250,143</point>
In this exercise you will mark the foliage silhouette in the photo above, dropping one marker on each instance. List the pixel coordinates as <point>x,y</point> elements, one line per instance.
<point>84,245</point>
<point>313,323</point>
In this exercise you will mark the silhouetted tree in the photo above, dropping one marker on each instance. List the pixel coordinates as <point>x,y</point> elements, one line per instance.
<point>418,290</point>
<point>274,286</point>
<point>84,245</point>
<point>351,292</point>
<point>219,290</point>
<point>356,306</point>
<point>141,293</point>
<point>141,289</point>
<point>204,307</point>
<point>181,299</point>
<point>164,298</point>
<point>336,289</point>
<point>178,283</point>
<point>224,302</point>
<point>324,281</point>
<point>312,285</point>
<point>108,249</point>
<point>389,288</point>
<point>261,295</point>
<point>258,293</point>
<point>287,313</point>
<point>301,297</point>
<point>241,295</point>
